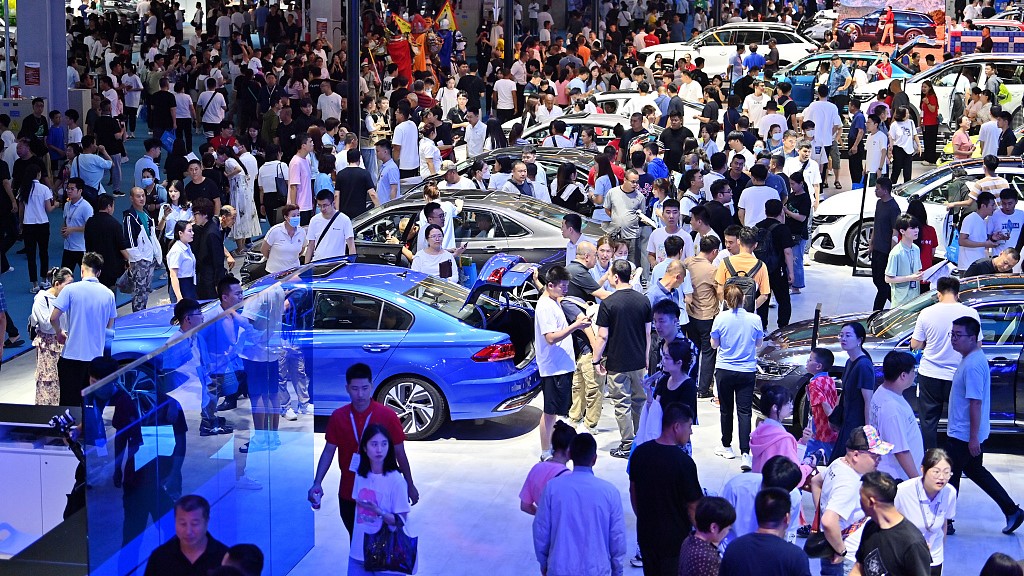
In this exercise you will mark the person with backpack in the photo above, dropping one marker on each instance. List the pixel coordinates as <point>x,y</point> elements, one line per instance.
<point>745,271</point>
<point>736,334</point>
<point>775,248</point>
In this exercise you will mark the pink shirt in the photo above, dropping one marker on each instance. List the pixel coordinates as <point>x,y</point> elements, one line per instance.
<point>537,479</point>
<point>300,174</point>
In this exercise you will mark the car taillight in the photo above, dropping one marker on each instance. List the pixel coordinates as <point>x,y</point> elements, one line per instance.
<point>495,353</point>
<point>495,276</point>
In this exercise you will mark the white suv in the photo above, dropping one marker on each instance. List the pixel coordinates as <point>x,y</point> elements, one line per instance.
<point>716,45</point>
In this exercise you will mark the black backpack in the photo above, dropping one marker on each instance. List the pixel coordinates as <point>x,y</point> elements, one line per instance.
<point>745,282</point>
<point>765,250</point>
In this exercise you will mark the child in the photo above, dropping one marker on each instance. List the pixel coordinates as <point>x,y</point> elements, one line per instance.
<point>821,393</point>
<point>56,143</point>
<point>74,130</point>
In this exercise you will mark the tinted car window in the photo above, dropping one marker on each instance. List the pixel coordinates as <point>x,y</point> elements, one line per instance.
<point>511,228</point>
<point>346,311</point>
<point>477,224</point>
<point>1009,72</point>
<point>394,318</point>
<point>385,228</point>
<point>1001,324</point>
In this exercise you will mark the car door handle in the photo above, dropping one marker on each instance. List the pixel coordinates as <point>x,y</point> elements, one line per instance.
<point>1000,359</point>
<point>390,258</point>
<point>376,347</point>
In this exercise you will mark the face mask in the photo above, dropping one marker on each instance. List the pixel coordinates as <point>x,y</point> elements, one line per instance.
<point>294,221</point>
<point>236,149</point>
<point>758,150</point>
<point>147,182</point>
<point>809,133</point>
<point>777,137</point>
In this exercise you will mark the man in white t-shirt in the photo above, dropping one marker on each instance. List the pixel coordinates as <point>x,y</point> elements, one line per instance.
<point>751,206</point>
<point>877,151</point>
<point>452,179</point>
<point>803,163</point>
<point>938,359</point>
<point>842,518</point>
<point>328,105</point>
<point>988,136</point>
<point>406,144</point>
<point>974,236</point>
<point>656,243</point>
<point>211,106</point>
<point>558,139</point>
<point>1004,225</point>
<point>556,360</point>
<point>476,133</point>
<point>330,231</point>
<point>740,490</point>
<point>771,118</point>
<point>892,416</point>
<point>753,106</point>
<point>505,104</point>
<point>827,123</point>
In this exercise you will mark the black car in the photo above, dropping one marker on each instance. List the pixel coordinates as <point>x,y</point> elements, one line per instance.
<point>999,301</point>
<point>907,25</point>
<point>520,225</point>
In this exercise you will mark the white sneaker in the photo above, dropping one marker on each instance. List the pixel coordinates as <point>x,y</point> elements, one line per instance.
<point>745,462</point>
<point>726,453</point>
<point>637,561</point>
<point>246,483</point>
<point>305,409</point>
<point>289,414</point>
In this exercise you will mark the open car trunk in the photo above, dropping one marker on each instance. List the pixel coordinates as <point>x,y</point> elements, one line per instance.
<point>518,324</point>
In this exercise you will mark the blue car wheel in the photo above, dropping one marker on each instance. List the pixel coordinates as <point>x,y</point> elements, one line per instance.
<point>420,406</point>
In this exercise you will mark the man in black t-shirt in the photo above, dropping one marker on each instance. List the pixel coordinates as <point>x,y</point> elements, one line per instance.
<point>780,263</point>
<point>1006,137</point>
<point>798,212</point>
<point>354,186</point>
<point>1002,263</point>
<point>672,139</point>
<point>201,186</point>
<point>581,284</point>
<point>664,490</point>
<point>890,544</point>
<point>766,552</point>
<point>624,331</point>
<point>162,106</point>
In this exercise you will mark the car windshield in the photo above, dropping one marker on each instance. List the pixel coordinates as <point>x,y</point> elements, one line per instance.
<point>900,320</point>
<point>921,183</point>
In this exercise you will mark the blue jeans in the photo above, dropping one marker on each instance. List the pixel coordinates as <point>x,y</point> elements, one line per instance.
<point>827,567</point>
<point>798,263</point>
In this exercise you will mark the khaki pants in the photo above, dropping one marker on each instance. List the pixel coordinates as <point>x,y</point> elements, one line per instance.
<point>626,391</point>
<point>587,392</point>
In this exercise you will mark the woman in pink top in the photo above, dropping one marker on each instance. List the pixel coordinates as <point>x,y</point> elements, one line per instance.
<point>562,88</point>
<point>963,148</point>
<point>771,438</point>
<point>542,472</point>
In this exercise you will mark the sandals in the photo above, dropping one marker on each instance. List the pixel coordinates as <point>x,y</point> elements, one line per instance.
<point>838,186</point>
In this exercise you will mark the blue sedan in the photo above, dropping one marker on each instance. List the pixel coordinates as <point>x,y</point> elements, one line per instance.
<point>438,351</point>
<point>802,75</point>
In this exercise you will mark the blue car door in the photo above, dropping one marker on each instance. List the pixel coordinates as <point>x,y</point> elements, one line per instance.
<point>803,79</point>
<point>348,327</point>
<point>1001,338</point>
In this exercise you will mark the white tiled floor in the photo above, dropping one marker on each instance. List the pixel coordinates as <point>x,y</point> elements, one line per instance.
<point>469,477</point>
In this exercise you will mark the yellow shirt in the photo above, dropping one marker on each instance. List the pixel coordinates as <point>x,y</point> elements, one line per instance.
<point>744,262</point>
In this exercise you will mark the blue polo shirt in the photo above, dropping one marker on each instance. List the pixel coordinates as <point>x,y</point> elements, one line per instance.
<point>75,216</point>
<point>89,306</point>
<point>388,175</point>
<point>753,59</point>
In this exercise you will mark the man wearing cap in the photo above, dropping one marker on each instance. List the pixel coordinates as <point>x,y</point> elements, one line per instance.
<point>970,401</point>
<point>842,519</point>
<point>771,118</point>
<point>452,179</point>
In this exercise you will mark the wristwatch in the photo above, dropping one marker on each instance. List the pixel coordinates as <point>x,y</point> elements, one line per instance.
<point>598,361</point>
<point>843,553</point>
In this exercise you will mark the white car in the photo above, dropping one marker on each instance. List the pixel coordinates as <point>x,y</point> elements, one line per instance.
<point>953,78</point>
<point>603,125</point>
<point>835,223</point>
<point>822,22</point>
<point>716,45</point>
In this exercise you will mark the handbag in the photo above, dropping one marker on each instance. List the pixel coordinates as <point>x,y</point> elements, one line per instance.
<point>953,247</point>
<point>158,254</point>
<point>280,182</point>
<point>817,546</point>
<point>167,140</point>
<point>389,550</point>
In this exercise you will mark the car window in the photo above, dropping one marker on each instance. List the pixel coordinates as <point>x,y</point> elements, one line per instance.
<point>336,310</point>
<point>610,106</point>
<point>808,68</point>
<point>511,228</point>
<point>946,78</point>
<point>748,37</point>
<point>1001,324</point>
<point>951,190</point>
<point>387,228</point>
<point>394,318</point>
<point>1016,181</point>
<point>1009,72</point>
<point>477,224</point>
<point>719,38</point>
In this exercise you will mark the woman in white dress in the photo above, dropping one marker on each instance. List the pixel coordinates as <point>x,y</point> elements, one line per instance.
<point>247,225</point>
<point>435,260</point>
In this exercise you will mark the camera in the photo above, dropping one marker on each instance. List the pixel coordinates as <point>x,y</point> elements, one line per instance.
<point>63,423</point>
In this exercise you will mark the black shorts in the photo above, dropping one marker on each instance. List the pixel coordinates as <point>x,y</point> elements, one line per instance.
<point>557,393</point>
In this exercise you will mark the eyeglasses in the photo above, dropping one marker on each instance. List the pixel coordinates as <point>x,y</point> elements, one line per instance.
<point>935,472</point>
<point>958,335</point>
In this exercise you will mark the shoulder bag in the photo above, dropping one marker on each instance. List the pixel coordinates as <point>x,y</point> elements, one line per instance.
<point>389,550</point>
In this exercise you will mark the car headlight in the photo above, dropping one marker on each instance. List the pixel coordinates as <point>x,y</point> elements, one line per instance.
<point>774,370</point>
<point>819,220</point>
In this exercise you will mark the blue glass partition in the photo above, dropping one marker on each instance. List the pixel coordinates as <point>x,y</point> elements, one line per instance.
<point>153,432</point>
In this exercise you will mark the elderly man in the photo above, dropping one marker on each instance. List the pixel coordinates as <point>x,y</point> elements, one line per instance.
<point>452,179</point>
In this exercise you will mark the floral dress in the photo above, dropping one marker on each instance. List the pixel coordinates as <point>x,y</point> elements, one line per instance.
<point>48,350</point>
<point>241,197</point>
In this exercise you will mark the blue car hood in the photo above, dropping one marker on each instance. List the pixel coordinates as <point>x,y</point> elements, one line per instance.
<point>157,317</point>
